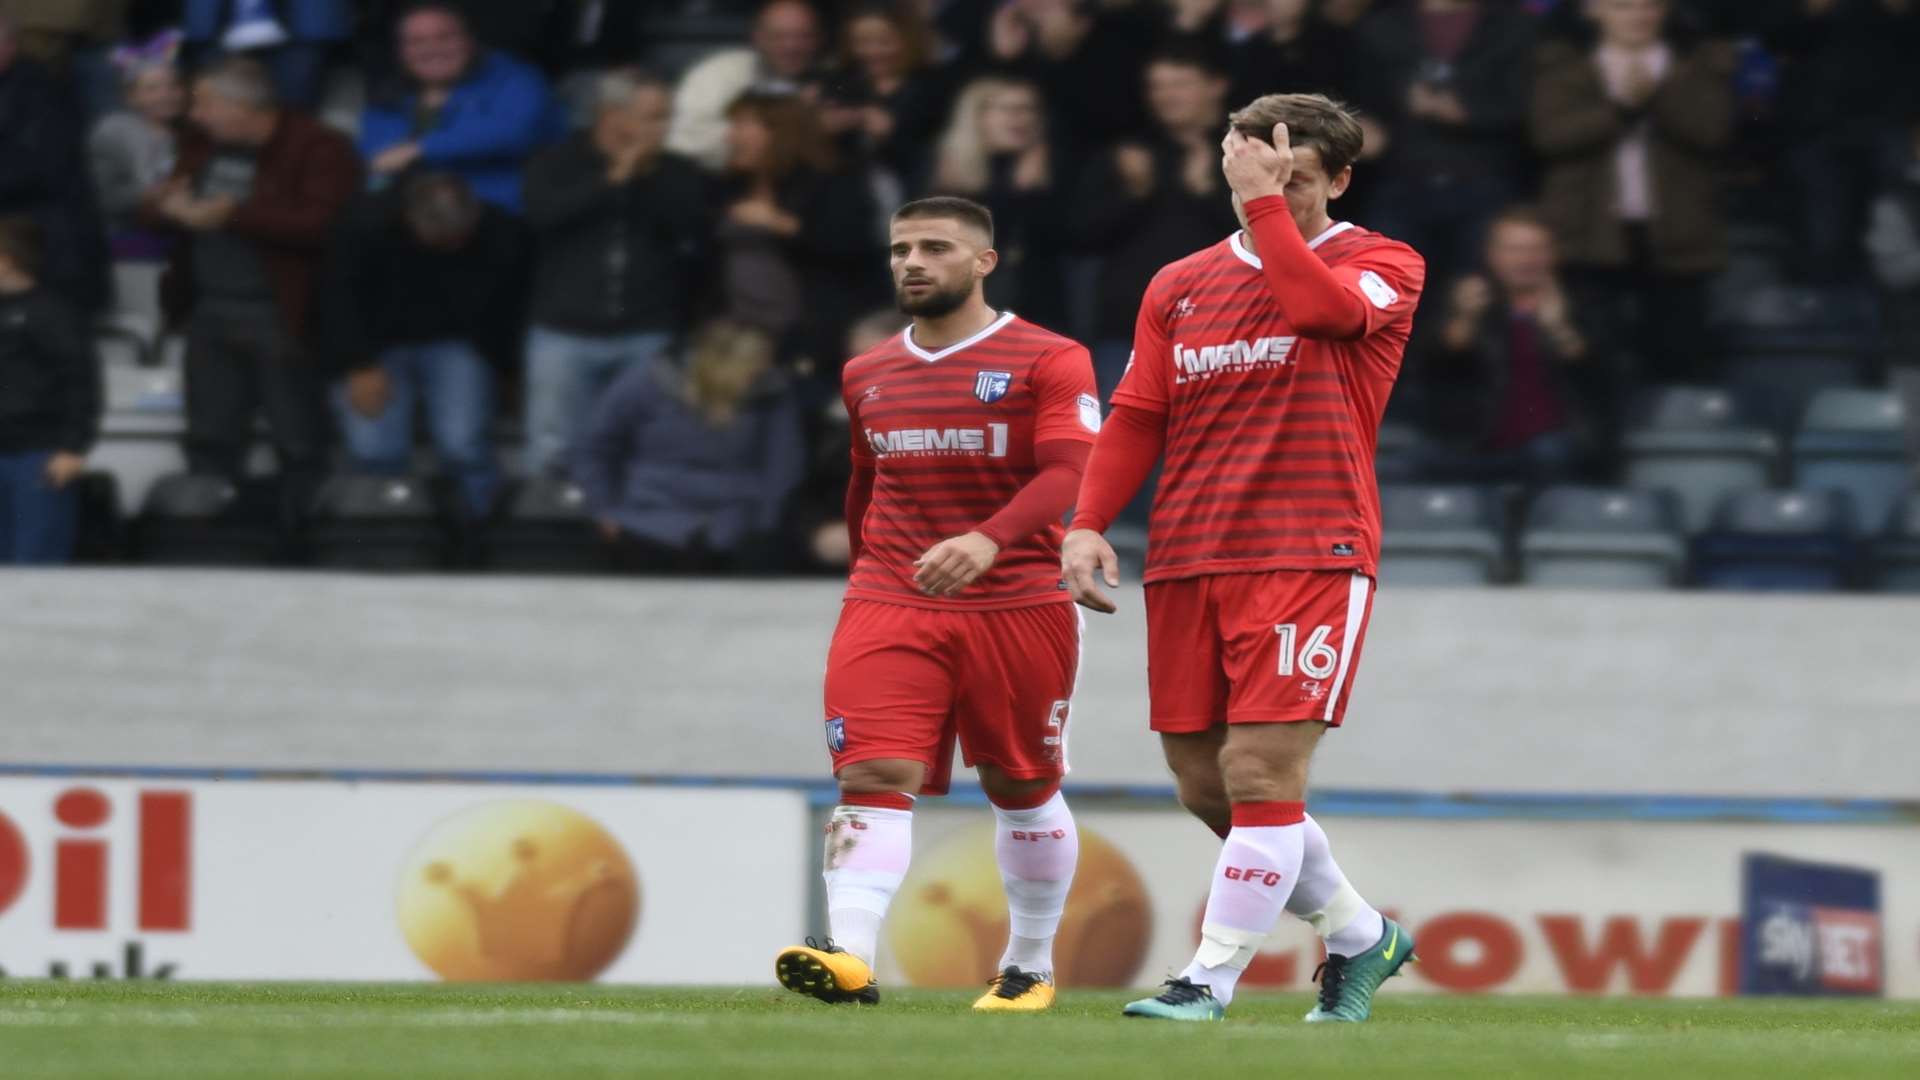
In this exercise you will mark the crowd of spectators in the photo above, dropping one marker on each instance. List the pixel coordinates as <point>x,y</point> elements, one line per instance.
<point>660,244</point>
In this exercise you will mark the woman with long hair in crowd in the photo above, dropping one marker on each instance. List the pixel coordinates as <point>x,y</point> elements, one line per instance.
<point>691,469</point>
<point>995,151</point>
<point>798,234</point>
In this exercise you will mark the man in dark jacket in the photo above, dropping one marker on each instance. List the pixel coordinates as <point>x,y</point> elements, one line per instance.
<point>49,405</point>
<point>422,303</point>
<point>43,174</point>
<point>1511,359</point>
<point>622,227</point>
<point>1155,201</point>
<point>1447,80</point>
<point>256,190</point>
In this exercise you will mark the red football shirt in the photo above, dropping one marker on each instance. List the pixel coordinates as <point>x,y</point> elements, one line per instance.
<point>1270,436</point>
<point>951,436</point>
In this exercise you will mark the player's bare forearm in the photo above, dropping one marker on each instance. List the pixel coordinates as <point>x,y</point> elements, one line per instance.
<point>1086,559</point>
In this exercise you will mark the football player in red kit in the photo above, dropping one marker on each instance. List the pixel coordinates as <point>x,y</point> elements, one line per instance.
<point>1261,368</point>
<point>970,432</point>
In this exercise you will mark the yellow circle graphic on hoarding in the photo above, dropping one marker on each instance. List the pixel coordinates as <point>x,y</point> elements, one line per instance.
<point>513,891</point>
<point>949,923</point>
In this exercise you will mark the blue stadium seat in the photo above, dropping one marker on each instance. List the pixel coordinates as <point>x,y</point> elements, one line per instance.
<point>377,523</point>
<point>1855,440</point>
<point>1696,442</point>
<point>1778,541</point>
<point>1439,535</point>
<point>1602,538</point>
<point>1896,555</point>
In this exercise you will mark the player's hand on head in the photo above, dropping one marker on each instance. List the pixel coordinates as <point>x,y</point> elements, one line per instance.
<point>1253,168</point>
<point>951,565</point>
<point>1082,554</point>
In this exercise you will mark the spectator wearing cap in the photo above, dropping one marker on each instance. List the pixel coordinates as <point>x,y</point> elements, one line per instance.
<point>131,150</point>
<point>623,229</point>
<point>690,467</point>
<point>1633,130</point>
<point>255,194</point>
<point>292,37</point>
<point>423,299</point>
<point>783,57</point>
<point>43,174</point>
<point>49,405</point>
<point>463,109</point>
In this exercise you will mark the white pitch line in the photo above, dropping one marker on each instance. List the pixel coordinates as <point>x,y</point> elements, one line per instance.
<point>323,1017</point>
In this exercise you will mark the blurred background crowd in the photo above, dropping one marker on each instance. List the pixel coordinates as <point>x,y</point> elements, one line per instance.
<point>569,282</point>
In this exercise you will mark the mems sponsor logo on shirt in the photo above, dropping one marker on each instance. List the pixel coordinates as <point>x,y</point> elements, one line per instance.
<point>1191,365</point>
<point>988,441</point>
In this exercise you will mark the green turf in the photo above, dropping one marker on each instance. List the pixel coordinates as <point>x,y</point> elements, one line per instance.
<point>80,1029</point>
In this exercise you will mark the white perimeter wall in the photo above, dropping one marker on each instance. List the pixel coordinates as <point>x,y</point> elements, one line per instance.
<point>1459,691</point>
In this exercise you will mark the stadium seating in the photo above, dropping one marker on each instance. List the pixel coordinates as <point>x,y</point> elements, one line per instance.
<point>1398,457</point>
<point>1854,440</point>
<point>188,520</point>
<point>1697,443</point>
<point>1599,538</point>
<point>377,523</point>
<point>1778,541</point>
<point>1440,535</point>
<point>544,528</point>
<point>1896,555</point>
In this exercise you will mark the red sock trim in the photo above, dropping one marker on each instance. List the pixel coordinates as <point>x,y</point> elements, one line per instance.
<point>1268,813</point>
<point>1028,802</point>
<point>883,800</point>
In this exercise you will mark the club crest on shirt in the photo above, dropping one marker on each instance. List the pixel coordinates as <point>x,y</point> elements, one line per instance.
<point>837,733</point>
<point>991,386</point>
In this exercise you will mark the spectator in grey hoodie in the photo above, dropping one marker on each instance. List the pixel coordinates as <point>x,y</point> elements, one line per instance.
<point>692,469</point>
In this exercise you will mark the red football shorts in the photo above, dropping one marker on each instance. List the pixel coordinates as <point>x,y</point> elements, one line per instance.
<point>905,682</point>
<point>1277,646</point>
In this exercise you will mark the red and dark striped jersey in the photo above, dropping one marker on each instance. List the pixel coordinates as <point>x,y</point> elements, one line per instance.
<point>951,435</point>
<point>1270,436</point>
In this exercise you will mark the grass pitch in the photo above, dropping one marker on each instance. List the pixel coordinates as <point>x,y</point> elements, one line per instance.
<point>93,1030</point>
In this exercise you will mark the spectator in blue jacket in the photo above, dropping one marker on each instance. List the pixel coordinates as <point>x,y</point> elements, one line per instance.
<point>474,112</point>
<point>692,469</point>
<point>291,37</point>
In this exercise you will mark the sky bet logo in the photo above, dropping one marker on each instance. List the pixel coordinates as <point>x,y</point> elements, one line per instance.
<point>1192,365</point>
<point>75,866</point>
<point>990,440</point>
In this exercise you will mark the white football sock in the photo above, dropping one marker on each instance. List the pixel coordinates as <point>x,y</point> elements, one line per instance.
<point>1347,923</point>
<point>866,858</point>
<point>1037,850</point>
<point>1258,867</point>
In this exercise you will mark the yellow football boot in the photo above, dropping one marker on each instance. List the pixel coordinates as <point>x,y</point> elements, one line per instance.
<point>1014,990</point>
<point>828,972</point>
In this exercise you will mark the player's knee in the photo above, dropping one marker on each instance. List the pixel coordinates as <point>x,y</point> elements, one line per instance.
<point>1015,793</point>
<point>1258,777</point>
<point>880,777</point>
<point>1206,800</point>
